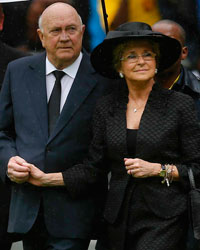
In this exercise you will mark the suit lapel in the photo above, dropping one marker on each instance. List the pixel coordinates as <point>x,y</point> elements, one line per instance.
<point>117,124</point>
<point>81,88</point>
<point>37,89</point>
<point>119,127</point>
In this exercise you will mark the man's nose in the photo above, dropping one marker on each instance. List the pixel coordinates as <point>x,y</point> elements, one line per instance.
<point>64,36</point>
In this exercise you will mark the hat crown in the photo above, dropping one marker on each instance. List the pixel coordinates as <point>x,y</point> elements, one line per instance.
<point>131,26</point>
<point>132,30</point>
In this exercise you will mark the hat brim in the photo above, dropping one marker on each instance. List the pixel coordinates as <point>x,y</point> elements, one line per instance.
<point>102,55</point>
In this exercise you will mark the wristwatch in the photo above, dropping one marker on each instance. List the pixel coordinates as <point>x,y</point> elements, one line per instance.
<point>162,171</point>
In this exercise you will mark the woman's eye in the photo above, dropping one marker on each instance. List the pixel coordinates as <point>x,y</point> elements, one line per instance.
<point>148,54</point>
<point>131,56</point>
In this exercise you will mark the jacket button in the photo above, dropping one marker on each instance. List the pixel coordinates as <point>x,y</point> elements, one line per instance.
<point>48,149</point>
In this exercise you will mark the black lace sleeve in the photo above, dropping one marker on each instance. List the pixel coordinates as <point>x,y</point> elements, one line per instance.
<point>80,178</point>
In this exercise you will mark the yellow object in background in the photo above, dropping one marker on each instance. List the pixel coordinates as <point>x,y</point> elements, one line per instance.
<point>120,11</point>
<point>112,7</point>
<point>146,11</point>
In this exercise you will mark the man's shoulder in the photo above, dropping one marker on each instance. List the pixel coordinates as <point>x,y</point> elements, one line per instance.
<point>27,60</point>
<point>9,51</point>
<point>9,54</point>
<point>191,81</point>
<point>191,75</point>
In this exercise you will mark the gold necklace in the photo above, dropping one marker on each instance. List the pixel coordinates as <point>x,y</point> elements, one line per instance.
<point>176,80</point>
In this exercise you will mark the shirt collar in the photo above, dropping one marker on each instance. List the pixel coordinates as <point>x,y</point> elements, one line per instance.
<point>70,70</point>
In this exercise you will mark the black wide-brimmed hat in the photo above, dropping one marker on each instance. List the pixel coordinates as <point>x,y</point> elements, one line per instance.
<point>102,55</point>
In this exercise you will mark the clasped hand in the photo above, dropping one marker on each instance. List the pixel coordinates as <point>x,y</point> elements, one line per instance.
<point>141,169</point>
<point>20,171</point>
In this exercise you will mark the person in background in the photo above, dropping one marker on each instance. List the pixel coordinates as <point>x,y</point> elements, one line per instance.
<point>7,54</point>
<point>46,105</point>
<point>14,33</point>
<point>185,13</point>
<point>146,136</point>
<point>177,77</point>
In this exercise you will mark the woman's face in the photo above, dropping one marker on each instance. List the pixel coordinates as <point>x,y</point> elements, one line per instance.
<point>138,61</point>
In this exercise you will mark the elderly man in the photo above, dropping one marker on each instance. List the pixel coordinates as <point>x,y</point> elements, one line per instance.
<point>46,106</point>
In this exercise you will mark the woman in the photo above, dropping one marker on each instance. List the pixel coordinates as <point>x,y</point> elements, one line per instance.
<point>147,137</point>
<point>151,127</point>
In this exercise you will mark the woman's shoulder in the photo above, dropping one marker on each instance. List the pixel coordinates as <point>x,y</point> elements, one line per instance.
<point>180,98</point>
<point>179,101</point>
<point>172,100</point>
<point>175,96</point>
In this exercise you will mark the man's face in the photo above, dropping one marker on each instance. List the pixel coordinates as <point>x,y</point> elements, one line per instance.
<point>168,30</point>
<point>62,34</point>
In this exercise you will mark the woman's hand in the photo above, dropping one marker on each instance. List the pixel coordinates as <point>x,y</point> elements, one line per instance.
<point>36,176</point>
<point>41,179</point>
<point>141,169</point>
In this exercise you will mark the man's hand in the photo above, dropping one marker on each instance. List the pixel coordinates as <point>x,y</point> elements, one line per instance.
<point>17,172</point>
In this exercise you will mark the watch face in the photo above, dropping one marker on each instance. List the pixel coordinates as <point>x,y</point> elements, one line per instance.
<point>162,173</point>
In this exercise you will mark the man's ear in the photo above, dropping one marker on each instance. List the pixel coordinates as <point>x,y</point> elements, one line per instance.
<point>184,53</point>
<point>83,28</point>
<point>40,34</point>
<point>1,21</point>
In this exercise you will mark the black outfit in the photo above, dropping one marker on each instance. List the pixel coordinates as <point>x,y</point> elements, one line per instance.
<point>140,221</point>
<point>168,133</point>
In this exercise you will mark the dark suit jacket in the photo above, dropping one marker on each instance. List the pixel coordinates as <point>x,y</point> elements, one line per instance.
<point>24,132</point>
<point>168,133</point>
<point>7,54</point>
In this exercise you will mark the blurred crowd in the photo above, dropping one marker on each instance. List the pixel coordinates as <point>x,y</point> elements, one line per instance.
<point>21,20</point>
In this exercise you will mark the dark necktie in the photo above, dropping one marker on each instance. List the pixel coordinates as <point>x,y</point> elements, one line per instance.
<point>54,101</point>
